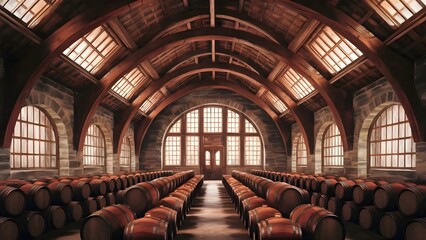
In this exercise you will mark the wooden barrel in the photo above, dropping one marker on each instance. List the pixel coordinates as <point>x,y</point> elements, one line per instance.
<point>369,217</point>
<point>56,217</point>
<point>12,201</point>
<point>391,225</point>
<point>249,204</point>
<point>110,199</point>
<point>38,197</point>
<point>175,204</point>
<point>107,223</point>
<point>141,197</point>
<point>9,229</point>
<point>262,185</point>
<point>350,211</point>
<point>61,193</point>
<point>415,229</point>
<point>327,187</point>
<point>32,224</point>
<point>343,190</point>
<point>315,197</point>
<point>318,222</point>
<point>412,200</point>
<point>242,197</point>
<point>167,214</point>
<point>74,211</point>
<point>89,206</point>
<point>334,205</point>
<point>323,201</point>
<point>315,184</point>
<point>124,182</point>
<point>259,214</point>
<point>362,193</point>
<point>97,187</point>
<point>279,228</point>
<point>110,182</point>
<point>119,197</point>
<point>163,185</point>
<point>118,183</point>
<point>81,190</point>
<point>101,202</point>
<point>285,197</point>
<point>146,228</point>
<point>183,197</point>
<point>386,196</point>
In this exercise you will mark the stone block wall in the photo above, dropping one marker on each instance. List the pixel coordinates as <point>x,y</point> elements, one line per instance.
<point>151,152</point>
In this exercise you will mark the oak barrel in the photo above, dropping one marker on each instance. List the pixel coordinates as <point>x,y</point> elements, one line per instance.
<point>362,193</point>
<point>12,201</point>
<point>315,198</point>
<point>335,205</point>
<point>285,197</point>
<point>412,200</point>
<point>167,214</point>
<point>343,190</point>
<point>107,223</point>
<point>350,211</point>
<point>323,201</point>
<point>249,204</point>
<point>415,229</point>
<point>81,190</point>
<point>391,225</point>
<point>89,206</point>
<point>175,204</point>
<point>32,224</point>
<point>101,202</point>
<point>386,196</point>
<point>110,199</point>
<point>259,214</point>
<point>369,217</point>
<point>74,211</point>
<point>318,223</point>
<point>327,186</point>
<point>38,197</point>
<point>9,229</point>
<point>61,193</point>
<point>56,217</point>
<point>275,228</point>
<point>146,228</point>
<point>141,197</point>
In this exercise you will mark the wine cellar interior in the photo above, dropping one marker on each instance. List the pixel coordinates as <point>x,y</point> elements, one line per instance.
<point>212,119</point>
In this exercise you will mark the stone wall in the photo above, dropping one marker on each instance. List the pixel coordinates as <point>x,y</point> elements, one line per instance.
<point>275,157</point>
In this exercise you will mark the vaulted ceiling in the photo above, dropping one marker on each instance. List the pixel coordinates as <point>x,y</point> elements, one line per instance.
<point>291,58</point>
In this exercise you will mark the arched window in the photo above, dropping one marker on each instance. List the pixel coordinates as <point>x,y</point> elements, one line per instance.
<point>34,140</point>
<point>300,151</point>
<point>212,125</point>
<point>94,150</point>
<point>391,144</point>
<point>126,153</point>
<point>332,147</point>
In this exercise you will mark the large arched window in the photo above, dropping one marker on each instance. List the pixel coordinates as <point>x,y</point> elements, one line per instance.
<point>94,150</point>
<point>332,147</point>
<point>126,153</point>
<point>391,144</point>
<point>221,125</point>
<point>300,152</point>
<point>34,141</point>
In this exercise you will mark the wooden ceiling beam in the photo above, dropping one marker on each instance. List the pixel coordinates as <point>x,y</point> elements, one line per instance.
<point>141,129</point>
<point>398,70</point>
<point>303,35</point>
<point>304,117</point>
<point>123,34</point>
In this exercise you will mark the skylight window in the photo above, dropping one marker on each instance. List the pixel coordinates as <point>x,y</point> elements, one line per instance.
<point>335,51</point>
<point>276,102</point>
<point>128,84</point>
<point>298,85</point>
<point>395,12</point>
<point>29,11</point>
<point>92,50</point>
<point>151,101</point>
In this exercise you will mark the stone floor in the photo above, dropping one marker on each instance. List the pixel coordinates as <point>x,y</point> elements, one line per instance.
<point>212,216</point>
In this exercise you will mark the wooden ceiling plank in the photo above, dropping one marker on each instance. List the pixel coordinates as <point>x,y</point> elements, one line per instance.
<point>150,70</point>
<point>122,33</point>
<point>303,35</point>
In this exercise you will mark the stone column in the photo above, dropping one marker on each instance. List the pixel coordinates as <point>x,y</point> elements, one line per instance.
<point>4,163</point>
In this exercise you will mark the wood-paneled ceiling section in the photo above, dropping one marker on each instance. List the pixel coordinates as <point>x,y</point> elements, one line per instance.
<point>284,22</point>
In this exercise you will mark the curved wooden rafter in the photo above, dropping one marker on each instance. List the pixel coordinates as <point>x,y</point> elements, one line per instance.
<point>398,70</point>
<point>142,128</point>
<point>303,117</point>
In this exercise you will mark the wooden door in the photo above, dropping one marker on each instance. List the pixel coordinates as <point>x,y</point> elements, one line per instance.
<point>212,161</point>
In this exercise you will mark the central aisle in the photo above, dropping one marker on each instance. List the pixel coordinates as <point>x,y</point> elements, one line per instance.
<point>212,216</point>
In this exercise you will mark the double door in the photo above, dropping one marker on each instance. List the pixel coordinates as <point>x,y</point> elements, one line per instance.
<point>212,162</point>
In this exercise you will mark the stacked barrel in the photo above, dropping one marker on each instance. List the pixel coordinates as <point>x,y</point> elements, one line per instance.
<point>278,210</point>
<point>395,210</point>
<point>44,204</point>
<point>150,210</point>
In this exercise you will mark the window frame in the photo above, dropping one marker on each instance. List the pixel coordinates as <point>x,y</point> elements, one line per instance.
<point>323,147</point>
<point>369,141</point>
<point>184,133</point>
<point>130,157</point>
<point>105,149</point>
<point>56,135</point>
<point>299,141</point>
<point>386,15</point>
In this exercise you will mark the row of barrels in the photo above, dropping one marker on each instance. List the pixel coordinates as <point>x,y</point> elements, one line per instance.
<point>153,210</point>
<point>45,204</point>
<point>394,210</point>
<point>275,217</point>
